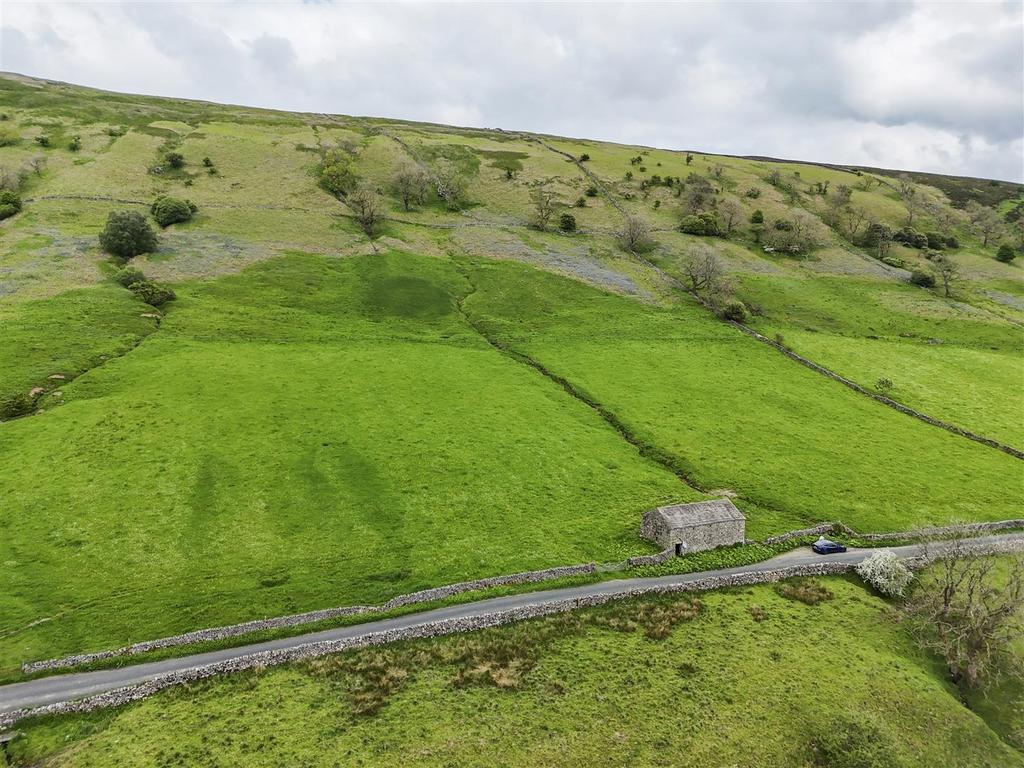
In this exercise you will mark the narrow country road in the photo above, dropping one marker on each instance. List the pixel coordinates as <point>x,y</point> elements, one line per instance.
<point>71,686</point>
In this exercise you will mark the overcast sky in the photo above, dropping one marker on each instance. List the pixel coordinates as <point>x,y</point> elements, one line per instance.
<point>925,86</point>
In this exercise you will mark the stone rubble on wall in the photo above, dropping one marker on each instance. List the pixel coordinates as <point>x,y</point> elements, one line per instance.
<point>656,559</point>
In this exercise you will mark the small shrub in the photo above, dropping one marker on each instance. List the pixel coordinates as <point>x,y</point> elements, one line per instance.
<point>127,234</point>
<point>43,141</point>
<point>936,240</point>
<point>1006,254</point>
<point>884,385</point>
<point>911,237</point>
<point>591,191</point>
<point>854,741</point>
<point>175,159</point>
<point>75,144</point>
<point>923,279</point>
<point>581,202</point>
<point>692,225</point>
<point>207,162</point>
<point>952,242</point>
<point>886,573</point>
<point>753,193</point>
<point>758,613</point>
<point>337,177</point>
<point>584,157</point>
<point>10,203</point>
<point>13,406</point>
<point>153,294</point>
<point>734,310</point>
<point>171,210</point>
<point>806,591</point>
<point>567,222</point>
<point>128,276</point>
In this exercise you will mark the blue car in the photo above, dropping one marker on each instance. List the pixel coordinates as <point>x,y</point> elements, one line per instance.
<point>825,547</point>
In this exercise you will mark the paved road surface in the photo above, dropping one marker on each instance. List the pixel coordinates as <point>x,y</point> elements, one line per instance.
<point>77,685</point>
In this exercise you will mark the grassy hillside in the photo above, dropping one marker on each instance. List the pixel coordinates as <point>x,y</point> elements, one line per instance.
<point>311,432</point>
<point>324,417</point>
<point>754,679</point>
<point>316,432</point>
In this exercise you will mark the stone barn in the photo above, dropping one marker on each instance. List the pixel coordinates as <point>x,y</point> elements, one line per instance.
<point>694,527</point>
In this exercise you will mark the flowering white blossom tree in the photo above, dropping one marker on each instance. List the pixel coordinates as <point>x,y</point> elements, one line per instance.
<point>886,573</point>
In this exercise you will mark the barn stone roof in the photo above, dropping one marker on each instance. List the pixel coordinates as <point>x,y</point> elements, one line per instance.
<point>699,513</point>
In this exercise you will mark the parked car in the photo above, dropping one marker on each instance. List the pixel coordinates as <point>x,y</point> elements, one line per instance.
<point>824,546</point>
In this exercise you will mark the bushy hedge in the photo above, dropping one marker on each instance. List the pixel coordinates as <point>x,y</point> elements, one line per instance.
<point>13,406</point>
<point>922,278</point>
<point>153,294</point>
<point>127,276</point>
<point>735,310</point>
<point>334,173</point>
<point>911,237</point>
<point>127,234</point>
<point>1006,253</point>
<point>10,204</point>
<point>700,224</point>
<point>171,210</point>
<point>567,222</point>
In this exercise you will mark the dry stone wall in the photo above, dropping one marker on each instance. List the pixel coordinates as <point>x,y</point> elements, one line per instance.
<point>656,559</point>
<point>922,533</point>
<point>428,595</point>
<point>1016,453</point>
<point>428,629</point>
<point>450,626</point>
<point>310,617</point>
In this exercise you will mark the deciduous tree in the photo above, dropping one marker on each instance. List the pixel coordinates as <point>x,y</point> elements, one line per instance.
<point>702,268</point>
<point>545,201</point>
<point>731,212</point>
<point>411,184</point>
<point>635,234</point>
<point>968,609</point>
<point>947,272</point>
<point>365,205</point>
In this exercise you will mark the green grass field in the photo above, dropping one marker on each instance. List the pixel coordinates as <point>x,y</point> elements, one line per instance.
<point>740,416</point>
<point>343,439</point>
<point>589,688</point>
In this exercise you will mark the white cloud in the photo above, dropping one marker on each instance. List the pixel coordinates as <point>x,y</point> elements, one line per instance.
<point>934,87</point>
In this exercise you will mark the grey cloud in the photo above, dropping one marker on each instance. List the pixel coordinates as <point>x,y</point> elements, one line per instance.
<point>772,79</point>
<point>275,54</point>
